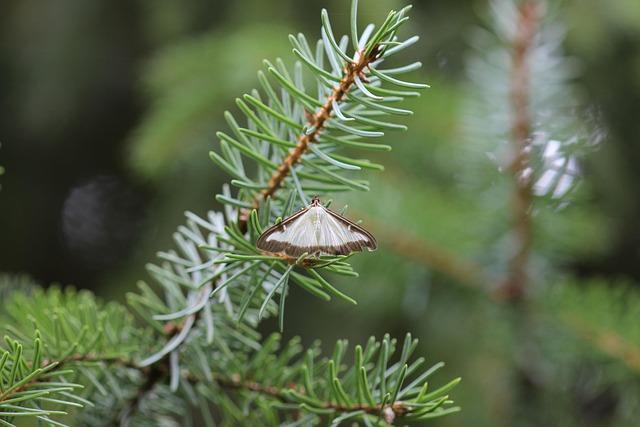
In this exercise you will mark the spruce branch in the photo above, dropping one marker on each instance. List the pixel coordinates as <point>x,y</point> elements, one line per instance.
<point>602,315</point>
<point>528,125</point>
<point>54,336</point>
<point>521,134</point>
<point>609,341</point>
<point>25,387</point>
<point>217,255</point>
<point>316,122</point>
<point>375,386</point>
<point>583,310</point>
<point>372,388</point>
<point>194,336</point>
<point>348,92</point>
<point>464,272</point>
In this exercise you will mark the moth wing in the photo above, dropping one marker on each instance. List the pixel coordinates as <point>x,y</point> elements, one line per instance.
<point>316,229</point>
<point>344,236</point>
<point>290,237</point>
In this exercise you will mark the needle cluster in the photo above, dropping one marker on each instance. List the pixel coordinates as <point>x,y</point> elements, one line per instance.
<point>190,341</point>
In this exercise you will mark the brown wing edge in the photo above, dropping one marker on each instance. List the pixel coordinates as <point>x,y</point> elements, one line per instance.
<point>274,247</point>
<point>262,244</point>
<point>373,243</point>
<point>289,250</point>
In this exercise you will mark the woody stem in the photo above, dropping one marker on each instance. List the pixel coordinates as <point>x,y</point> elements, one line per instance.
<point>316,122</point>
<point>520,135</point>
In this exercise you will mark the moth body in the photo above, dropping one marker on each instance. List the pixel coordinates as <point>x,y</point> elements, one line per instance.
<point>315,230</point>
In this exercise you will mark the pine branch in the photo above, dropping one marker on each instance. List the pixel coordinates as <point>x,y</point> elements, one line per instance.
<point>316,123</point>
<point>528,125</point>
<point>464,272</point>
<point>372,387</point>
<point>601,314</point>
<point>199,336</point>
<point>375,386</point>
<point>580,309</point>
<point>26,390</point>
<point>521,133</point>
<point>610,342</point>
<point>217,255</point>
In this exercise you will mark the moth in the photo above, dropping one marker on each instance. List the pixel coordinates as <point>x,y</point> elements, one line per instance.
<point>315,230</point>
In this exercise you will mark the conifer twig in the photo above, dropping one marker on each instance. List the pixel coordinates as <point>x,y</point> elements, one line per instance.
<point>389,411</point>
<point>316,123</point>
<point>156,373</point>
<point>461,270</point>
<point>606,340</point>
<point>59,364</point>
<point>521,127</point>
<point>214,278</point>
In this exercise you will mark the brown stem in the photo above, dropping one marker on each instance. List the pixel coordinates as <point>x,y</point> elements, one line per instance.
<point>463,271</point>
<point>516,281</point>
<point>159,371</point>
<point>609,341</point>
<point>389,411</point>
<point>606,340</point>
<point>154,375</point>
<point>316,122</point>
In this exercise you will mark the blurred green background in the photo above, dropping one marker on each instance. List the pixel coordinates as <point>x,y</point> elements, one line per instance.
<point>108,110</point>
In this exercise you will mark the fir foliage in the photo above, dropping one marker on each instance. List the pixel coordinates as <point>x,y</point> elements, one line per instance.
<point>88,354</point>
<point>600,314</point>
<point>562,132</point>
<point>190,340</point>
<point>573,341</point>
